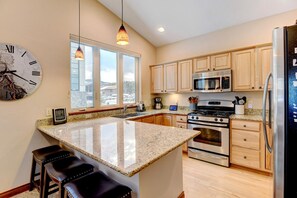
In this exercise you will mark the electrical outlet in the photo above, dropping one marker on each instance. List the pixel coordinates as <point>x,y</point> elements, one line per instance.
<point>48,112</point>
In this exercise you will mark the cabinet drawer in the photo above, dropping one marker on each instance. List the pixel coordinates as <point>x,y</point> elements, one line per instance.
<point>246,125</point>
<point>181,118</point>
<point>245,157</point>
<point>150,119</point>
<point>245,139</point>
<point>181,125</point>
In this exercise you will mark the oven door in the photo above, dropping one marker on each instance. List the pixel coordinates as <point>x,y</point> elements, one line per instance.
<point>212,84</point>
<point>213,139</point>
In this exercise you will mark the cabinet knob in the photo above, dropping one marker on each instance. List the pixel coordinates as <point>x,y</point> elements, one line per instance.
<point>191,89</point>
<point>165,90</point>
<point>244,157</point>
<point>214,69</point>
<point>253,87</point>
<point>244,139</point>
<point>260,87</point>
<point>161,90</point>
<point>244,125</point>
<point>208,69</point>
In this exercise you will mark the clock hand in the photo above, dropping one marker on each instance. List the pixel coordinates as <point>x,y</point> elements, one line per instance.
<point>5,72</point>
<point>29,81</point>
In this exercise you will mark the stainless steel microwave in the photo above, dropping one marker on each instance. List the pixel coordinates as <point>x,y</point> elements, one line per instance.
<point>214,81</point>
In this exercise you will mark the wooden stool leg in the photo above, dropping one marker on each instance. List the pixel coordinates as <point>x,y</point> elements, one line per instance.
<point>61,190</point>
<point>45,186</point>
<point>33,168</point>
<point>42,179</point>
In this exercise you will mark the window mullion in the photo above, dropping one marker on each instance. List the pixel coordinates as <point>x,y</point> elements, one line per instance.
<point>120,78</point>
<point>96,76</point>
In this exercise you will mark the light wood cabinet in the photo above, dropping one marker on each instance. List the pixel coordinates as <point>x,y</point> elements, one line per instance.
<point>243,65</point>
<point>158,119</point>
<point>149,119</point>
<point>220,61</point>
<point>202,64</point>
<point>167,120</point>
<point>185,76</point>
<point>180,121</point>
<point>263,65</point>
<point>248,145</point>
<point>211,63</point>
<point>170,77</point>
<point>157,79</point>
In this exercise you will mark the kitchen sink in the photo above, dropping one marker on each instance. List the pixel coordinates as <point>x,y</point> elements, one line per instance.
<point>129,115</point>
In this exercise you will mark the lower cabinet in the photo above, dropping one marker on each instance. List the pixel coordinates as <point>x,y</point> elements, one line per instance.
<point>248,145</point>
<point>180,121</point>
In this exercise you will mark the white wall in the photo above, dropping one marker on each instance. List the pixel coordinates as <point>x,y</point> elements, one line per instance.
<point>43,28</point>
<point>244,35</point>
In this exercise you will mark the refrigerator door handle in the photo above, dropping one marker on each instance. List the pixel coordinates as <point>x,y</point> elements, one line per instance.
<point>264,112</point>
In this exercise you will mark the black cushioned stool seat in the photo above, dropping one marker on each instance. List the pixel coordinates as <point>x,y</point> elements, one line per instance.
<point>96,185</point>
<point>41,157</point>
<point>63,171</point>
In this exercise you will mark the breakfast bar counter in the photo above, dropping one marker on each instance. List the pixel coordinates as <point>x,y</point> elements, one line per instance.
<point>146,157</point>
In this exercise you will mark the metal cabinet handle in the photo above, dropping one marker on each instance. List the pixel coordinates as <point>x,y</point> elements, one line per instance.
<point>244,157</point>
<point>260,87</point>
<point>244,125</point>
<point>253,87</point>
<point>244,139</point>
<point>214,69</point>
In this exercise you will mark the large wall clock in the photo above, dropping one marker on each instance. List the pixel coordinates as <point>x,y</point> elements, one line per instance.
<point>20,73</point>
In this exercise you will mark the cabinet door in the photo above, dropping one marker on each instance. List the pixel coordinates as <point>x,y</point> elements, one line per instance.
<point>170,77</point>
<point>159,119</point>
<point>150,119</point>
<point>268,156</point>
<point>220,61</point>
<point>185,76</point>
<point>243,64</point>
<point>202,64</point>
<point>167,120</point>
<point>157,79</point>
<point>263,65</point>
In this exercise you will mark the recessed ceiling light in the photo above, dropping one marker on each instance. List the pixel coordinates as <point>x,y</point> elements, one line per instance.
<point>161,29</point>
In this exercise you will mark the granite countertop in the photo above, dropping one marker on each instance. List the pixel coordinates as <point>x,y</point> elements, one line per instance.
<point>246,117</point>
<point>123,145</point>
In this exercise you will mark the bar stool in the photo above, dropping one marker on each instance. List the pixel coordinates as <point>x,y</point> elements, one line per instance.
<point>96,185</point>
<point>41,157</point>
<point>63,171</point>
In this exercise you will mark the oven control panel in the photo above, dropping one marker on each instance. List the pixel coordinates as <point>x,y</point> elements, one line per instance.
<point>208,119</point>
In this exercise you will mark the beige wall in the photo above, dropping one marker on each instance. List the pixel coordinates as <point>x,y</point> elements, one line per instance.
<point>43,28</point>
<point>248,34</point>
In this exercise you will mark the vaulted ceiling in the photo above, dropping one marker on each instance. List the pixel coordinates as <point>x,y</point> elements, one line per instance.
<point>183,19</point>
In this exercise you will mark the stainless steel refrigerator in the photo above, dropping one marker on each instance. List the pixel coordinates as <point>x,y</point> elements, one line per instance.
<point>282,116</point>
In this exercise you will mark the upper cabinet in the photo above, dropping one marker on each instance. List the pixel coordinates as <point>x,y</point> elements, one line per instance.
<point>220,61</point>
<point>243,65</point>
<point>157,82</point>
<point>170,77</point>
<point>211,63</point>
<point>185,76</point>
<point>263,65</point>
<point>250,68</point>
<point>164,78</point>
<point>202,64</point>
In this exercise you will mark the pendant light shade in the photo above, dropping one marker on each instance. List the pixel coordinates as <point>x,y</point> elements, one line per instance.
<point>79,54</point>
<point>122,36</point>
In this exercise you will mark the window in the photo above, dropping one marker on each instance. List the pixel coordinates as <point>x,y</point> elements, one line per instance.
<point>82,92</point>
<point>107,77</point>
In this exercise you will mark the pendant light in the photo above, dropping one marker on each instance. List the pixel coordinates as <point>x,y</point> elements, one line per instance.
<point>122,36</point>
<point>79,54</point>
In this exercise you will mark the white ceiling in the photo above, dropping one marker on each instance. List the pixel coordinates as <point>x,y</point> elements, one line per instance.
<point>183,19</point>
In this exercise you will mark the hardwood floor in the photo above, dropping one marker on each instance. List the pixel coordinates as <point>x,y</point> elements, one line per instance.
<point>205,180</point>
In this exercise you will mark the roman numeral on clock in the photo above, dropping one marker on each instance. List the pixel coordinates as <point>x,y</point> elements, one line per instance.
<point>24,54</point>
<point>33,62</point>
<point>10,48</point>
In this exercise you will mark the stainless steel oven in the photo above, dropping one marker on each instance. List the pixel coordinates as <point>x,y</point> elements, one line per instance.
<point>214,81</point>
<point>212,120</point>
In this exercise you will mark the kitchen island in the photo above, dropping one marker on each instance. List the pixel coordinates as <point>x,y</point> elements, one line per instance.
<point>145,157</point>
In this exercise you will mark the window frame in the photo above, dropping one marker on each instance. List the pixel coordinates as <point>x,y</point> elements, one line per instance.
<point>120,74</point>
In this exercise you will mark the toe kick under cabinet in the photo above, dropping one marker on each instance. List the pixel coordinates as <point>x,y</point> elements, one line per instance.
<point>248,145</point>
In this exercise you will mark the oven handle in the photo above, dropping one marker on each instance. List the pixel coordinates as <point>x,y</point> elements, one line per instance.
<point>192,126</point>
<point>208,124</point>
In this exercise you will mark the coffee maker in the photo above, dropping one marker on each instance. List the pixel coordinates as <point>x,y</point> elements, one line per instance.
<point>158,103</point>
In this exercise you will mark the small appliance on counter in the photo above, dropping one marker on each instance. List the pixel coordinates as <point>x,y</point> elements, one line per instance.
<point>140,107</point>
<point>158,103</point>
<point>59,116</point>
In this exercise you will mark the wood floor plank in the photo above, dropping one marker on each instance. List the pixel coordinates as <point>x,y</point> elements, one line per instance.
<point>205,180</point>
